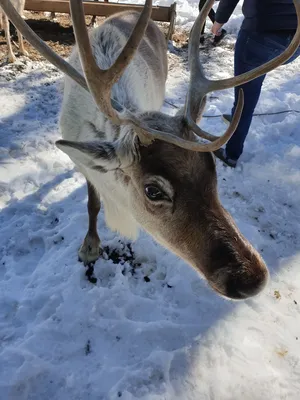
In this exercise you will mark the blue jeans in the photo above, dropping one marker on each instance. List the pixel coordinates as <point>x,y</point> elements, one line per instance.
<point>253,49</point>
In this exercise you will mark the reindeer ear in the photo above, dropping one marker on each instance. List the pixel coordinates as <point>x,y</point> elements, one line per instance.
<point>100,156</point>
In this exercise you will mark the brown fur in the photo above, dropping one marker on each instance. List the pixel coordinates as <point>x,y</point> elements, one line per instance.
<point>195,226</point>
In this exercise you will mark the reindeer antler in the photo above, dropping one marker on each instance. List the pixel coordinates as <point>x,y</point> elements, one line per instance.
<point>100,82</point>
<point>200,86</point>
<point>40,45</point>
<point>95,75</point>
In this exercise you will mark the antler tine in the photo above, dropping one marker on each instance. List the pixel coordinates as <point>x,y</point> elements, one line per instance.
<point>99,81</point>
<point>150,134</point>
<point>232,126</point>
<point>199,84</point>
<point>37,43</point>
<point>265,68</point>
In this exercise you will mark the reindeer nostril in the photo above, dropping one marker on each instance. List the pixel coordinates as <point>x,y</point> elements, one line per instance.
<point>245,285</point>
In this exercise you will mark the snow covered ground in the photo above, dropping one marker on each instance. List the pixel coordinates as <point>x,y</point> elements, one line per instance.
<point>150,328</point>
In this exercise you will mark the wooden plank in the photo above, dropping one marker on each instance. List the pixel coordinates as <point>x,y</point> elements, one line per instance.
<point>103,9</point>
<point>172,21</point>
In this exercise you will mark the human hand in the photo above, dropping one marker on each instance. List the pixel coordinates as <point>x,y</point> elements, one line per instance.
<point>216,28</point>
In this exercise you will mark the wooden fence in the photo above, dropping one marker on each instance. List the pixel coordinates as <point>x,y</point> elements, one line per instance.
<point>105,9</point>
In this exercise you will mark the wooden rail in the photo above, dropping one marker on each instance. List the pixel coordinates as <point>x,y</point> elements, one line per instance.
<point>101,8</point>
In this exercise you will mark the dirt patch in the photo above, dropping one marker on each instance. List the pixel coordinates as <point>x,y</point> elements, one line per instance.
<point>58,34</point>
<point>180,37</point>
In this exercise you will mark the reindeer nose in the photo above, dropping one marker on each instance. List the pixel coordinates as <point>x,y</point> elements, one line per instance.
<point>237,272</point>
<point>244,285</point>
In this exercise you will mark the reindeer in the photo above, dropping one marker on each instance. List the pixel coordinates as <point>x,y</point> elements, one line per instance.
<point>154,171</point>
<point>4,23</point>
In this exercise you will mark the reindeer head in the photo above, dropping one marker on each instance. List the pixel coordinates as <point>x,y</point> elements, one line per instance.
<point>171,192</point>
<point>168,173</point>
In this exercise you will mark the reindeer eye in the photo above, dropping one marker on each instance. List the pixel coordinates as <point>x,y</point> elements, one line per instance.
<point>154,193</point>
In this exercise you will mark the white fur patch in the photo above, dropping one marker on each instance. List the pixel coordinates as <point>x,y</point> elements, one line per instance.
<point>140,88</point>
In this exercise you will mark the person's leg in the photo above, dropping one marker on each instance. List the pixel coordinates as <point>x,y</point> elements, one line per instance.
<point>251,51</point>
<point>252,90</point>
<point>200,6</point>
<point>212,15</point>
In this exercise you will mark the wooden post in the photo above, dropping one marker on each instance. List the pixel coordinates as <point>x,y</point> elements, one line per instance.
<point>172,21</point>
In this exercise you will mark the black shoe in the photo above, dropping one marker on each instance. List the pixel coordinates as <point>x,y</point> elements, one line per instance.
<point>217,39</point>
<point>227,118</point>
<point>221,155</point>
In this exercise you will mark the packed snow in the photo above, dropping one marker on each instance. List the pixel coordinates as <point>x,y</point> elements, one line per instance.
<point>150,328</point>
